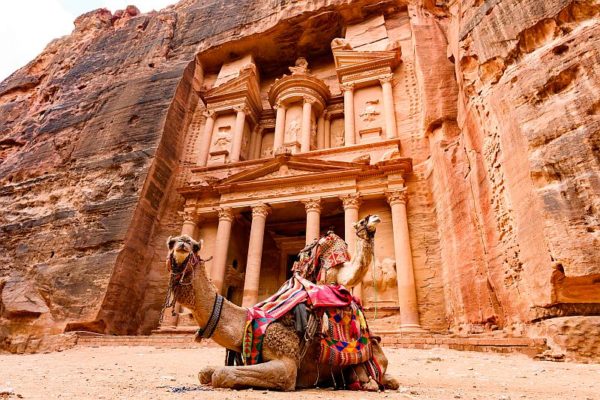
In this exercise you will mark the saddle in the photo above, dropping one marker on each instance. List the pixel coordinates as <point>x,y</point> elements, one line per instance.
<point>327,313</point>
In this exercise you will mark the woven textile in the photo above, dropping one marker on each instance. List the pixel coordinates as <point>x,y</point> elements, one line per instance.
<point>328,252</point>
<point>346,338</point>
<point>293,292</point>
<point>261,315</point>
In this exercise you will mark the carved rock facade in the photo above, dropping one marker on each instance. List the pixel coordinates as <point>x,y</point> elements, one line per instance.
<point>470,127</point>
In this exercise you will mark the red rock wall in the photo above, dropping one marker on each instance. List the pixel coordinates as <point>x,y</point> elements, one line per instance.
<point>497,105</point>
<point>519,178</point>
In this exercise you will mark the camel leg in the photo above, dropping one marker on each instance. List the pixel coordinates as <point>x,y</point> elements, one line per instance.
<point>275,374</point>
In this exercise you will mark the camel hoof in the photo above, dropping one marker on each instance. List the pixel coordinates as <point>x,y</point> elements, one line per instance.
<point>389,382</point>
<point>370,386</point>
<point>205,375</point>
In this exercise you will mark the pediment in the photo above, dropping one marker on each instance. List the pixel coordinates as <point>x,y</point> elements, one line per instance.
<point>244,86</point>
<point>286,166</point>
<point>352,61</point>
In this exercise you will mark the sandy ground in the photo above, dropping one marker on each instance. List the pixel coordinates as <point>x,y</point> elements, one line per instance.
<point>150,373</point>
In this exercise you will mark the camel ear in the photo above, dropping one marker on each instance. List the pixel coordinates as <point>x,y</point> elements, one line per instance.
<point>170,242</point>
<point>196,246</point>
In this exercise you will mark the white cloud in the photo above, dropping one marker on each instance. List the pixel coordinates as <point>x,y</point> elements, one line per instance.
<point>27,26</point>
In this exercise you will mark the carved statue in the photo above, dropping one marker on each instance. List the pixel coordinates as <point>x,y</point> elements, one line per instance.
<point>283,367</point>
<point>340,44</point>
<point>301,67</point>
<point>293,132</point>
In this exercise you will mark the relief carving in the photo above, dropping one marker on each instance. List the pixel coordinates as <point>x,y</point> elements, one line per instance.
<point>384,276</point>
<point>293,131</point>
<point>223,138</point>
<point>267,152</point>
<point>370,112</point>
<point>338,138</point>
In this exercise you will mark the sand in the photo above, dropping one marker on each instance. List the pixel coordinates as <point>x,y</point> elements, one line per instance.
<point>151,373</point>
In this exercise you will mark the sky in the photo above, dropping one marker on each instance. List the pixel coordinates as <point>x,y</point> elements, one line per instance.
<point>27,26</point>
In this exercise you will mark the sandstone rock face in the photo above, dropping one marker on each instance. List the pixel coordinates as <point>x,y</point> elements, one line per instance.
<point>496,103</point>
<point>526,151</point>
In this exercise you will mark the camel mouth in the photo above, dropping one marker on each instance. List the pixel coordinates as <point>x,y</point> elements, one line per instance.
<point>373,221</point>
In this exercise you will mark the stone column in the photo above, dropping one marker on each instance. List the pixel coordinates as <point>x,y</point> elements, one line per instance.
<point>407,294</point>
<point>279,127</point>
<point>313,219</point>
<point>209,124</point>
<point>388,106</point>
<point>189,223</point>
<point>349,135</point>
<point>252,145</point>
<point>321,131</point>
<point>306,124</point>
<point>221,247</point>
<point>258,143</point>
<point>327,131</point>
<point>351,203</point>
<point>255,250</point>
<point>238,134</point>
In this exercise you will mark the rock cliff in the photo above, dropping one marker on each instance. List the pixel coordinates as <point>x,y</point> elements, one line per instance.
<point>94,138</point>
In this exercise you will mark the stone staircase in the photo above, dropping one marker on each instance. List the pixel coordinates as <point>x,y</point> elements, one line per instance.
<point>184,338</point>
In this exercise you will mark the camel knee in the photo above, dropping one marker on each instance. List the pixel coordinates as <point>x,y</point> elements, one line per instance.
<point>389,382</point>
<point>205,375</point>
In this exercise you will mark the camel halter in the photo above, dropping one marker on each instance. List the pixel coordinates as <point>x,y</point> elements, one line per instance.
<point>213,321</point>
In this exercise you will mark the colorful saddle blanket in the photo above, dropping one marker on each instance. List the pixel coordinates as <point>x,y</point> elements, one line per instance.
<point>321,255</point>
<point>345,334</point>
<point>293,292</point>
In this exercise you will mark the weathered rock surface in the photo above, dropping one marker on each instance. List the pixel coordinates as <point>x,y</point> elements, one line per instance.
<point>498,108</point>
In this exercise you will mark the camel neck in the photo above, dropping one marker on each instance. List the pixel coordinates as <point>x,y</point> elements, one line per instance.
<point>229,330</point>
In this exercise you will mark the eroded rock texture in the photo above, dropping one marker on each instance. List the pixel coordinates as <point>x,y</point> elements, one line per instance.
<point>497,106</point>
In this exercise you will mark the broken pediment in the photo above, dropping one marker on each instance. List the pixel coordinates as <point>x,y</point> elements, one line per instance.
<point>243,89</point>
<point>357,66</point>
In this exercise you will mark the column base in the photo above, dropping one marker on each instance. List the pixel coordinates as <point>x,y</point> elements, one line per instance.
<point>411,328</point>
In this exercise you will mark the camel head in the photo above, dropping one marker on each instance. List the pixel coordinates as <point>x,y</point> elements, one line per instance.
<point>180,247</point>
<point>367,226</point>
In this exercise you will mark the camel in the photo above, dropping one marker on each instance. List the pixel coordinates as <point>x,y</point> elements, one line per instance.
<point>282,368</point>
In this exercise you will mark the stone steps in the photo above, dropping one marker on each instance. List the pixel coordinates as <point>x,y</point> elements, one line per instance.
<point>529,346</point>
<point>183,338</point>
<point>183,341</point>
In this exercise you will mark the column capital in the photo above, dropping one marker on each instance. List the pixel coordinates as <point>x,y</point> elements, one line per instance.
<point>326,115</point>
<point>279,104</point>
<point>208,113</point>
<point>396,196</point>
<point>351,200</point>
<point>349,86</point>
<point>243,108</point>
<point>312,205</point>
<point>260,210</point>
<point>387,78</point>
<point>189,215</point>
<point>308,99</point>
<point>225,214</point>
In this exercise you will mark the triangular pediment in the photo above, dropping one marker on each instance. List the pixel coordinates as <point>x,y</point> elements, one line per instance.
<point>244,86</point>
<point>287,166</point>
<point>351,61</point>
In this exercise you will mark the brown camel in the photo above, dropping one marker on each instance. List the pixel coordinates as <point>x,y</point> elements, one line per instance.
<point>282,368</point>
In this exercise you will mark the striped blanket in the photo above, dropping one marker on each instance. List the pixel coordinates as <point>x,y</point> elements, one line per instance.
<point>293,292</point>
